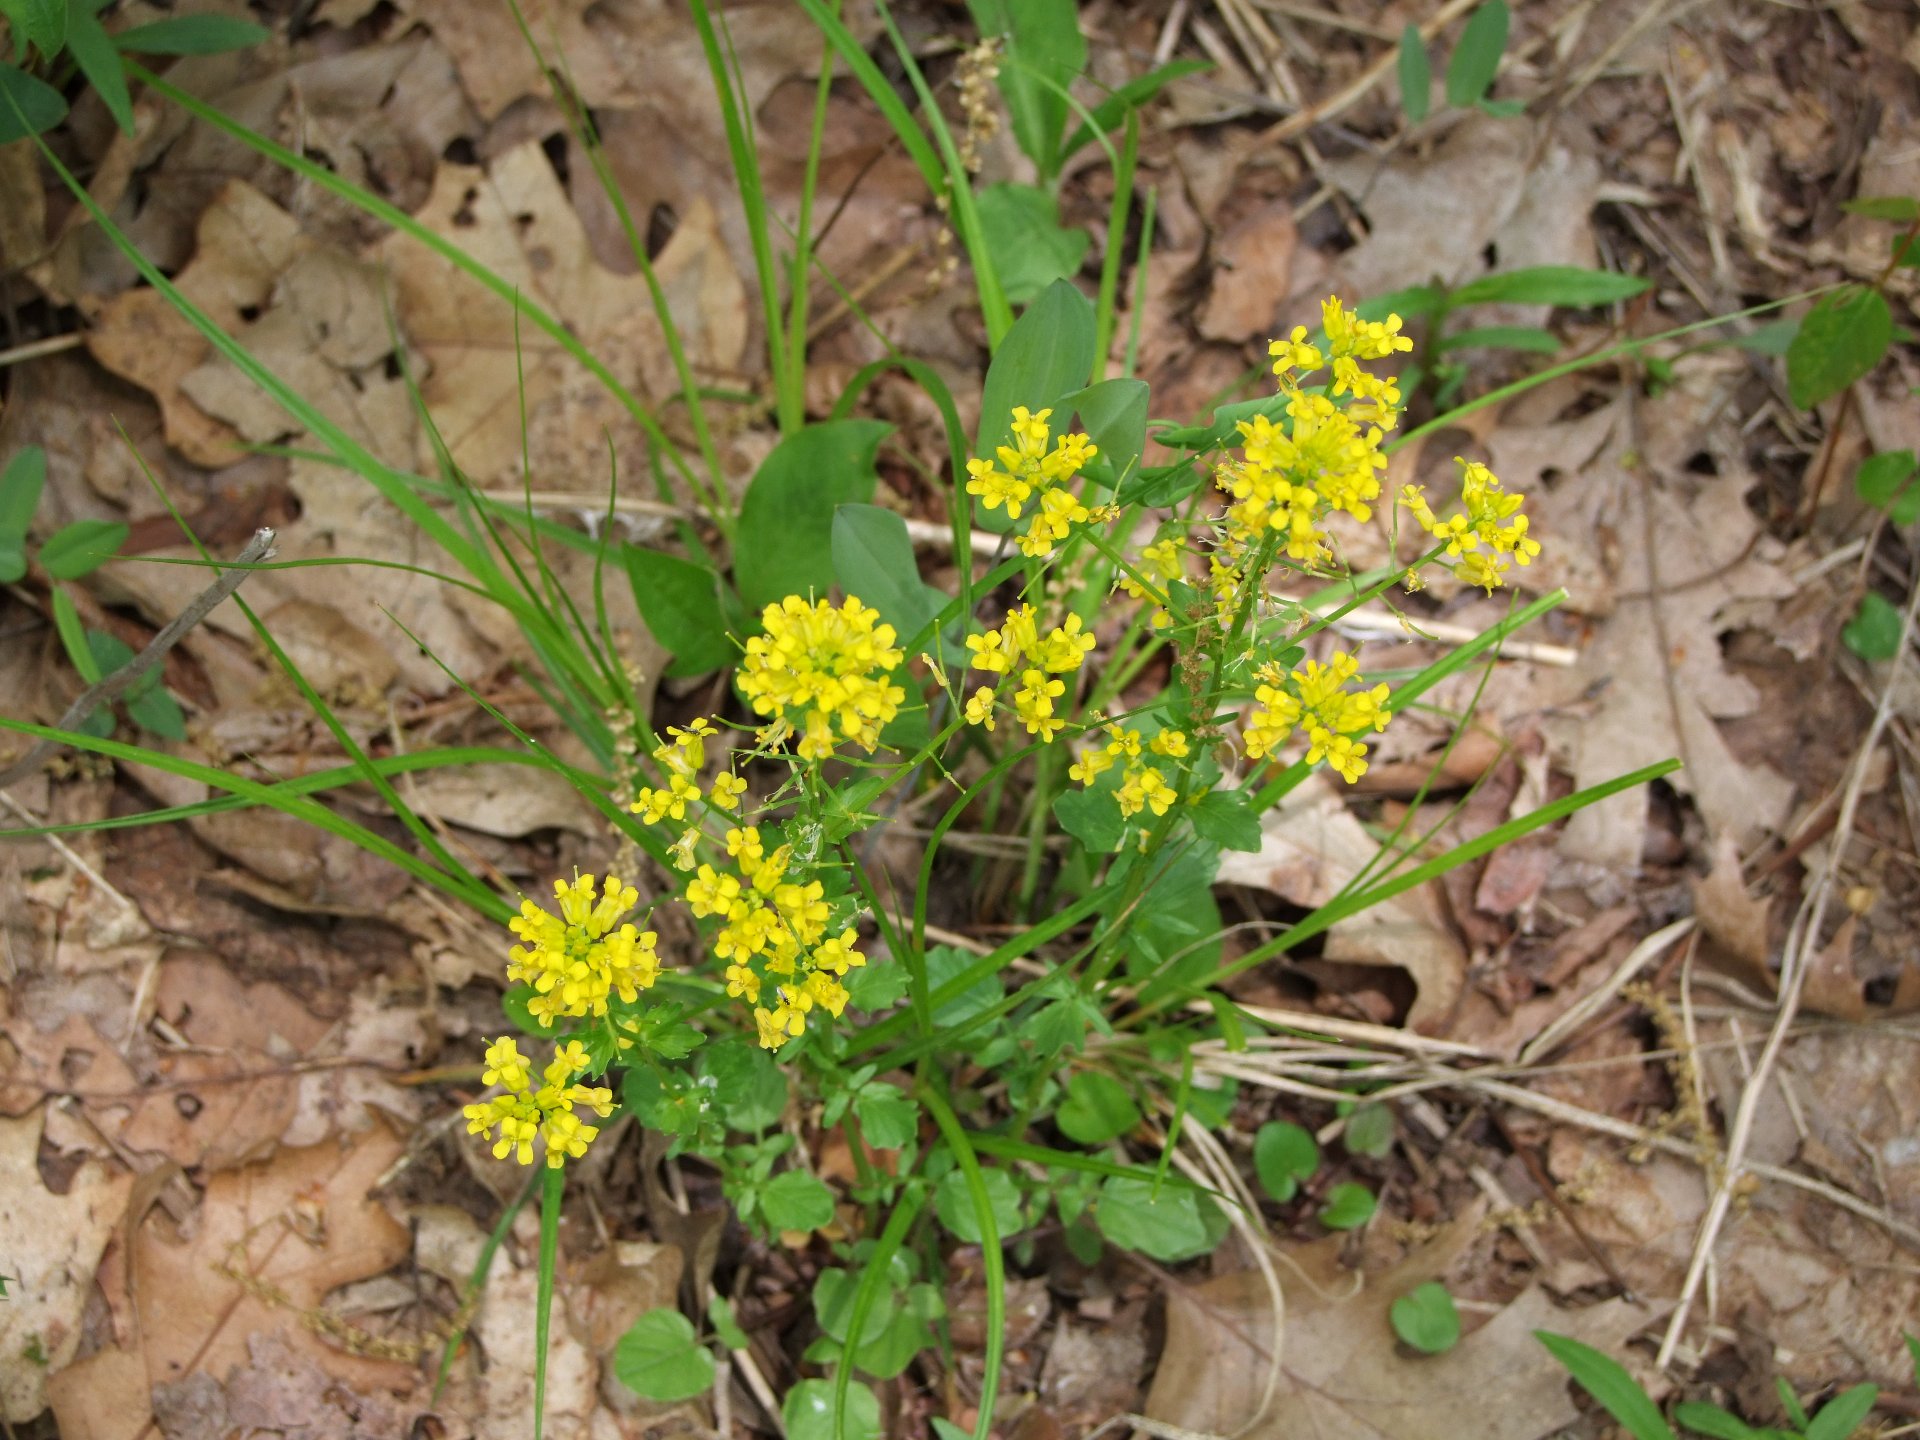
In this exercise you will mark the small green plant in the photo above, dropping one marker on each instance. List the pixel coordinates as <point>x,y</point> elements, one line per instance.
<point>1470,71</point>
<point>1426,1318</point>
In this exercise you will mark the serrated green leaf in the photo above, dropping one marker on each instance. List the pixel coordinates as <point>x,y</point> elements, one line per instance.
<point>93,52</point>
<point>191,35</point>
<point>28,106</point>
<point>1416,75</point>
<point>1097,1109</point>
<point>888,1118</point>
<point>1476,56</point>
<point>1161,1222</point>
<point>1607,1381</point>
<point>784,544</point>
<point>1426,1318</point>
<point>1227,819</point>
<point>1348,1206</point>
<point>661,1358</point>
<point>81,548</point>
<point>1092,817</point>
<point>1874,631</point>
<point>1841,339</point>
<point>750,1088</point>
<point>689,609</point>
<point>795,1200</point>
<point>1568,286</point>
<point>1020,226</point>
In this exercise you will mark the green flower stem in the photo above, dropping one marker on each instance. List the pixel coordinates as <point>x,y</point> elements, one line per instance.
<point>553,1186</point>
<point>873,1280</point>
<point>991,1259</point>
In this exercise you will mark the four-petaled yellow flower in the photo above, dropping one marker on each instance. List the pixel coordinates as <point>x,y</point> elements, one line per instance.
<point>576,959</point>
<point>1490,517</point>
<point>819,666</point>
<point>1320,703</point>
<point>1028,468</point>
<point>523,1112</point>
<point>727,790</point>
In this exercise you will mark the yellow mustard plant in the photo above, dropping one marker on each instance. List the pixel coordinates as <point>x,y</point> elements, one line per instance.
<point>820,665</point>
<point>1490,517</point>
<point>1016,647</point>
<point>1028,471</point>
<point>1320,704</point>
<point>523,1112</point>
<point>576,959</point>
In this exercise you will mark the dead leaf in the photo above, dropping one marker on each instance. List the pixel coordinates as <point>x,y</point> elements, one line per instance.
<point>1253,268</point>
<point>52,1245</point>
<point>1731,914</point>
<point>504,800</point>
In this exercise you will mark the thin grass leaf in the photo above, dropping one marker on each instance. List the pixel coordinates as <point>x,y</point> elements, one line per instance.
<point>1416,75</point>
<point>992,1261</point>
<point>553,1184</point>
<point>1604,1378</point>
<point>873,1281</point>
<point>476,1282</point>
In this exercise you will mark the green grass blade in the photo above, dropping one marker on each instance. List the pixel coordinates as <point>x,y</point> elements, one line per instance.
<point>553,1184</point>
<point>873,1279</point>
<point>991,1259</point>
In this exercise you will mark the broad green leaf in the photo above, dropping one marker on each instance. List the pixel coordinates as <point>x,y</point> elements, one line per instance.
<point>1166,1224</point>
<point>1348,1206</point>
<point>1227,819</point>
<point>160,713</point>
<point>1711,1420</point>
<point>1098,1108</point>
<point>784,544</point>
<point>808,1412</point>
<point>1881,481</point>
<point>1046,355</point>
<point>833,1292</point>
<point>93,51</point>
<point>1874,631</point>
<point>690,610</point>
<point>1839,341</point>
<point>110,652</point>
<point>661,1358</point>
<point>1607,1381</point>
<point>1902,209</point>
<point>27,106</point>
<point>875,987</point>
<point>946,963</point>
<point>1476,57</point>
<point>190,35</point>
<point>1416,75</point>
<point>873,558</point>
<point>1425,1317</point>
<point>1091,816</point>
<point>888,1119</point>
<point>1906,251</point>
<point>20,486</point>
<point>1284,1154</point>
<point>953,1203</point>
<point>1030,248</point>
<point>1504,337</point>
<point>43,22</point>
<point>1114,414</point>
<point>1045,53</point>
<point>81,548</point>
<point>795,1200</point>
<point>1136,92</point>
<point>1845,1413</point>
<point>1564,285</point>
<point>750,1088</point>
<point>1369,1131</point>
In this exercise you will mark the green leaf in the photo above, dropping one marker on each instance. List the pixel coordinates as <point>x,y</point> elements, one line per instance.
<point>784,544</point>
<point>1504,337</point>
<point>1711,1420</point>
<point>1091,816</point>
<point>1046,355</point>
<point>1905,251</point>
<point>873,558</point>
<point>110,652</point>
<point>73,636</point>
<point>1021,227</point>
<point>1416,75</point>
<point>191,35</point>
<point>953,1203</point>
<point>833,1292</point>
<point>888,1119</point>
<point>1284,1154</point>
<point>158,712</point>
<point>1477,55</point>
<point>1840,340</point>
<point>725,1327</point>
<point>945,963</point>
<point>27,106</point>
<point>808,1412</point>
<point>81,548</point>
<point>1098,1108</point>
<point>1913,1350</point>
<point>1348,1207</point>
<point>43,22</point>
<point>795,1200</point>
<point>1169,1225</point>
<point>1874,632</point>
<point>661,1358</point>
<point>1843,1414</point>
<point>689,609</point>
<point>1788,1399</point>
<point>1426,1319</point>
<point>1369,1131</point>
<point>1045,53</point>
<point>20,486</point>
<point>1607,1381</point>
<point>875,987</point>
<point>1502,109</point>
<point>1568,286</point>
<point>93,51</point>
<point>1901,209</point>
<point>1881,481</point>
<point>1227,818</point>
<point>749,1087</point>
<point>1135,93</point>
<point>1114,414</point>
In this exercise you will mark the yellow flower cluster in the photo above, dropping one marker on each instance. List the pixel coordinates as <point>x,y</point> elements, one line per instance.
<point>1143,785</point>
<point>1490,517</point>
<point>523,1111</point>
<point>819,665</point>
<point>1027,469</point>
<point>1376,399</point>
<point>1163,560</point>
<point>576,959</point>
<point>774,934</point>
<point>1018,648</point>
<point>1319,703</point>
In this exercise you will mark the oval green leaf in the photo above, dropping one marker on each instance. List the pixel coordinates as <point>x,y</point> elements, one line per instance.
<point>1348,1207</point>
<point>784,544</point>
<point>1284,1154</point>
<point>661,1358</point>
<point>81,548</point>
<point>808,1412</point>
<point>1476,58</point>
<point>1162,1223</point>
<point>1425,1317</point>
<point>795,1200</point>
<point>1097,1109</point>
<point>1842,338</point>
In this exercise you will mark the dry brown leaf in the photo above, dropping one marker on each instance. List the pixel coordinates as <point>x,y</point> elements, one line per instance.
<point>52,1244</point>
<point>504,800</point>
<point>1344,1375</point>
<point>1731,914</point>
<point>1311,846</point>
<point>1253,269</point>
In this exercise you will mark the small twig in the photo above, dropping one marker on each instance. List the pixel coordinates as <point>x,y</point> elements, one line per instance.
<point>40,349</point>
<point>113,686</point>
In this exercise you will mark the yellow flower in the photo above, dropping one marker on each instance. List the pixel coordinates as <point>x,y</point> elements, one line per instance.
<point>1320,702</point>
<point>996,488</point>
<point>680,852</point>
<point>1171,743</point>
<point>1293,354</point>
<point>1060,510</point>
<point>819,666</point>
<point>688,752</point>
<point>1065,646</point>
<point>980,707</point>
<point>1345,756</point>
<point>1144,788</point>
<point>727,790</point>
<point>712,893</point>
<point>575,960</point>
<point>1350,336</point>
<point>744,845</point>
<point>522,1113</point>
<point>657,805</point>
<point>991,653</point>
<point>1026,469</point>
<point>1091,765</point>
<point>838,955</point>
<point>1033,702</point>
<point>1489,517</point>
<point>743,984</point>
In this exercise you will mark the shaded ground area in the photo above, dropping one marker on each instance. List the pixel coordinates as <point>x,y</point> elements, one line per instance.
<point>233,1180</point>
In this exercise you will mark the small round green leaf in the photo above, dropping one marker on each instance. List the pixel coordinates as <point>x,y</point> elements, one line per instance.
<point>808,1412</point>
<point>1842,338</point>
<point>661,1358</point>
<point>1369,1131</point>
<point>795,1200</point>
<point>1164,1223</point>
<point>1873,633</point>
<point>1097,1109</point>
<point>1284,1154</point>
<point>1348,1207</point>
<point>953,1203</point>
<point>888,1119</point>
<point>1882,481</point>
<point>1426,1319</point>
